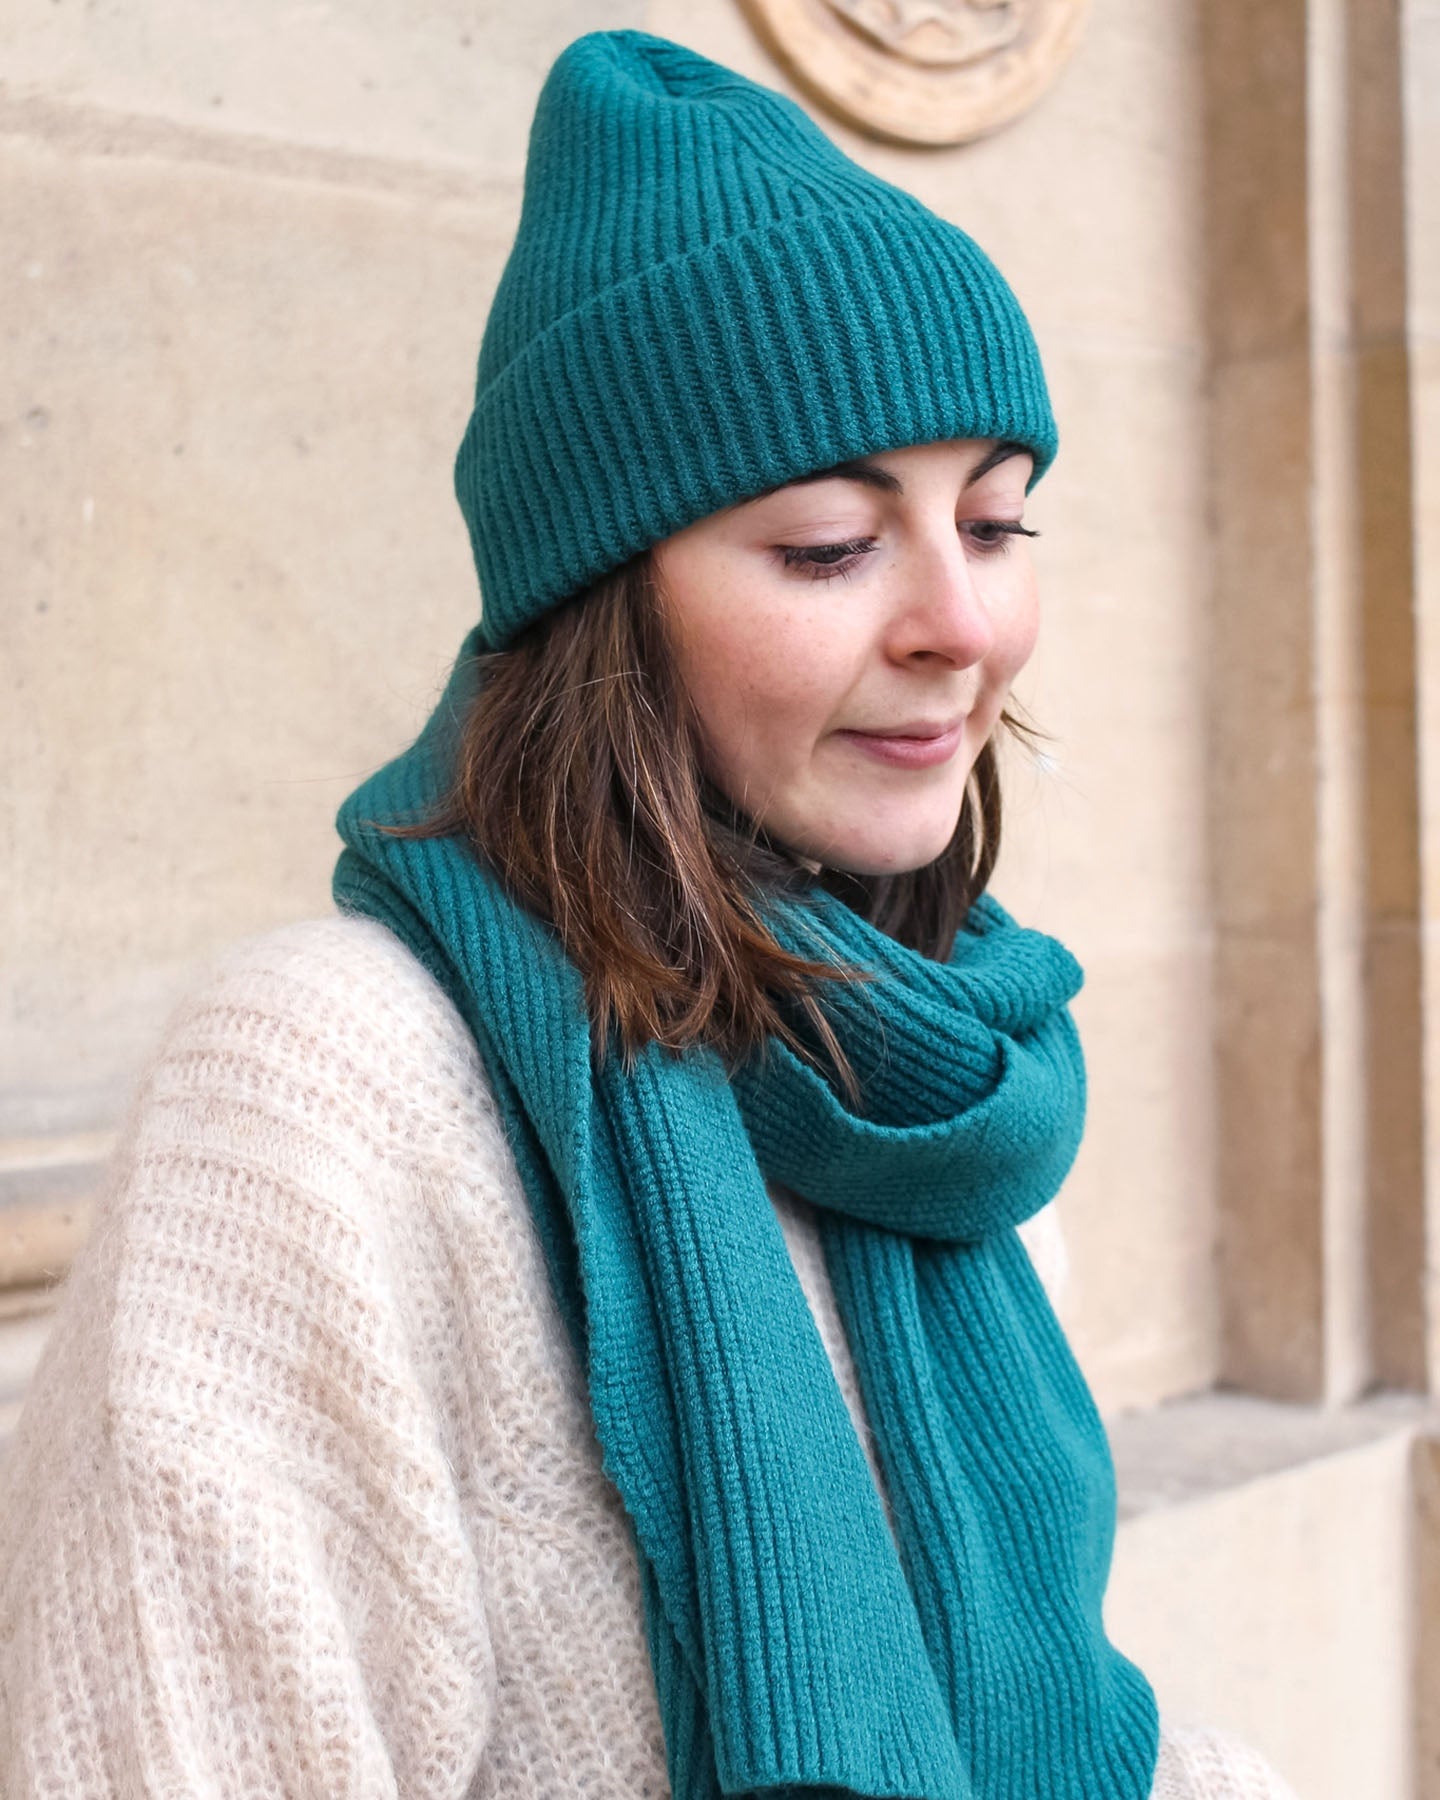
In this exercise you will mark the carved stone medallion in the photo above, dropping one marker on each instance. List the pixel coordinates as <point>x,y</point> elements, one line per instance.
<point>921,71</point>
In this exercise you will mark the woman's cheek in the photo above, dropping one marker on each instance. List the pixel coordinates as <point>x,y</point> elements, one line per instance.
<point>1008,656</point>
<point>1026,621</point>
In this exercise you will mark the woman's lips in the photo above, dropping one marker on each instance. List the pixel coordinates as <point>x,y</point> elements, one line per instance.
<point>908,752</point>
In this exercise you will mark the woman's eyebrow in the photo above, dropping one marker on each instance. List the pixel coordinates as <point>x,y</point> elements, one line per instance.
<point>870,476</point>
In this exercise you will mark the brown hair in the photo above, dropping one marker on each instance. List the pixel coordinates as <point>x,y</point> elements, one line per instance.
<point>579,780</point>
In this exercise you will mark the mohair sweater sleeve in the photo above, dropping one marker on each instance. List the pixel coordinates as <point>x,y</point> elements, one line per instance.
<point>232,1554</point>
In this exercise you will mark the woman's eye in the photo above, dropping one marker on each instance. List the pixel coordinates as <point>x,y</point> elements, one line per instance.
<point>823,562</point>
<point>993,535</point>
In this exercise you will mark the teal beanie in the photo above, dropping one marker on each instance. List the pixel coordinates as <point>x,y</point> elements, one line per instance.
<point>705,298</point>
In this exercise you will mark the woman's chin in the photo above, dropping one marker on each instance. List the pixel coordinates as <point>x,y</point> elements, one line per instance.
<point>887,853</point>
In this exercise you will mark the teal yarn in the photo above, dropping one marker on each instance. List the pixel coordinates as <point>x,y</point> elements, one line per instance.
<point>705,297</point>
<point>797,1646</point>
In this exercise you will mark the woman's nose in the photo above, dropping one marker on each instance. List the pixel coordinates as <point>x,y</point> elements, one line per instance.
<point>941,609</point>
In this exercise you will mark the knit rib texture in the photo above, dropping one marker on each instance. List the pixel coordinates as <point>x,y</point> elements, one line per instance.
<point>705,297</point>
<point>797,1638</point>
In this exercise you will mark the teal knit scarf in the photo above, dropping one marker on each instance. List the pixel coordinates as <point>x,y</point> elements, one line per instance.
<point>796,1643</point>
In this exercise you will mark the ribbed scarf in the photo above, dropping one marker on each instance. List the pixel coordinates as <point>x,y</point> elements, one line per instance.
<point>797,1644</point>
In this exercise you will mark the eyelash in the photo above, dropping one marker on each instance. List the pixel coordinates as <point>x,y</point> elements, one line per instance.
<point>802,555</point>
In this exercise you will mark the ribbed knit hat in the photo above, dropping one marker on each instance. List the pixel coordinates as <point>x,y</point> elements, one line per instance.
<point>705,298</point>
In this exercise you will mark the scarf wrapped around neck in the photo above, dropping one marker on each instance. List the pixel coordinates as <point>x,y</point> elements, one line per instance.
<point>796,1643</point>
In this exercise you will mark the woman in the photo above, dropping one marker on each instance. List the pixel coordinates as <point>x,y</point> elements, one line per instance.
<point>561,1327</point>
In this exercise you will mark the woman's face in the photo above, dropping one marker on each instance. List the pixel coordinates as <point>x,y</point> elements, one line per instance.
<point>849,640</point>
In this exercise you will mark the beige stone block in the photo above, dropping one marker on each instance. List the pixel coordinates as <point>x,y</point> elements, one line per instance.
<point>1278,1605</point>
<point>1337,561</point>
<point>1376,133</point>
<point>1394,1259</point>
<point>1328,108</point>
<point>1420,23</point>
<point>230,414</point>
<point>1426,413</point>
<point>1385,475</point>
<point>1263,725</point>
<point>1425,1676</point>
<point>1254,72</point>
<point>1426,416</point>
<point>1342,760</point>
<point>1269,1163</point>
<point>1391,851</point>
<point>1345,1101</point>
<point>1141,1304</point>
<point>1354,131</point>
<point>1365,676</point>
<point>449,83</point>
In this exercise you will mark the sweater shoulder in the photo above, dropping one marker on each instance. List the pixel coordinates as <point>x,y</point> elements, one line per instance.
<point>342,963</point>
<point>335,1024</point>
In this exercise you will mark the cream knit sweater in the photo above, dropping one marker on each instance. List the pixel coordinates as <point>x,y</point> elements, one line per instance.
<point>306,1499</point>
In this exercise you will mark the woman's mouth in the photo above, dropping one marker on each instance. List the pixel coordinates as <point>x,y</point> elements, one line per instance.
<point>920,748</point>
